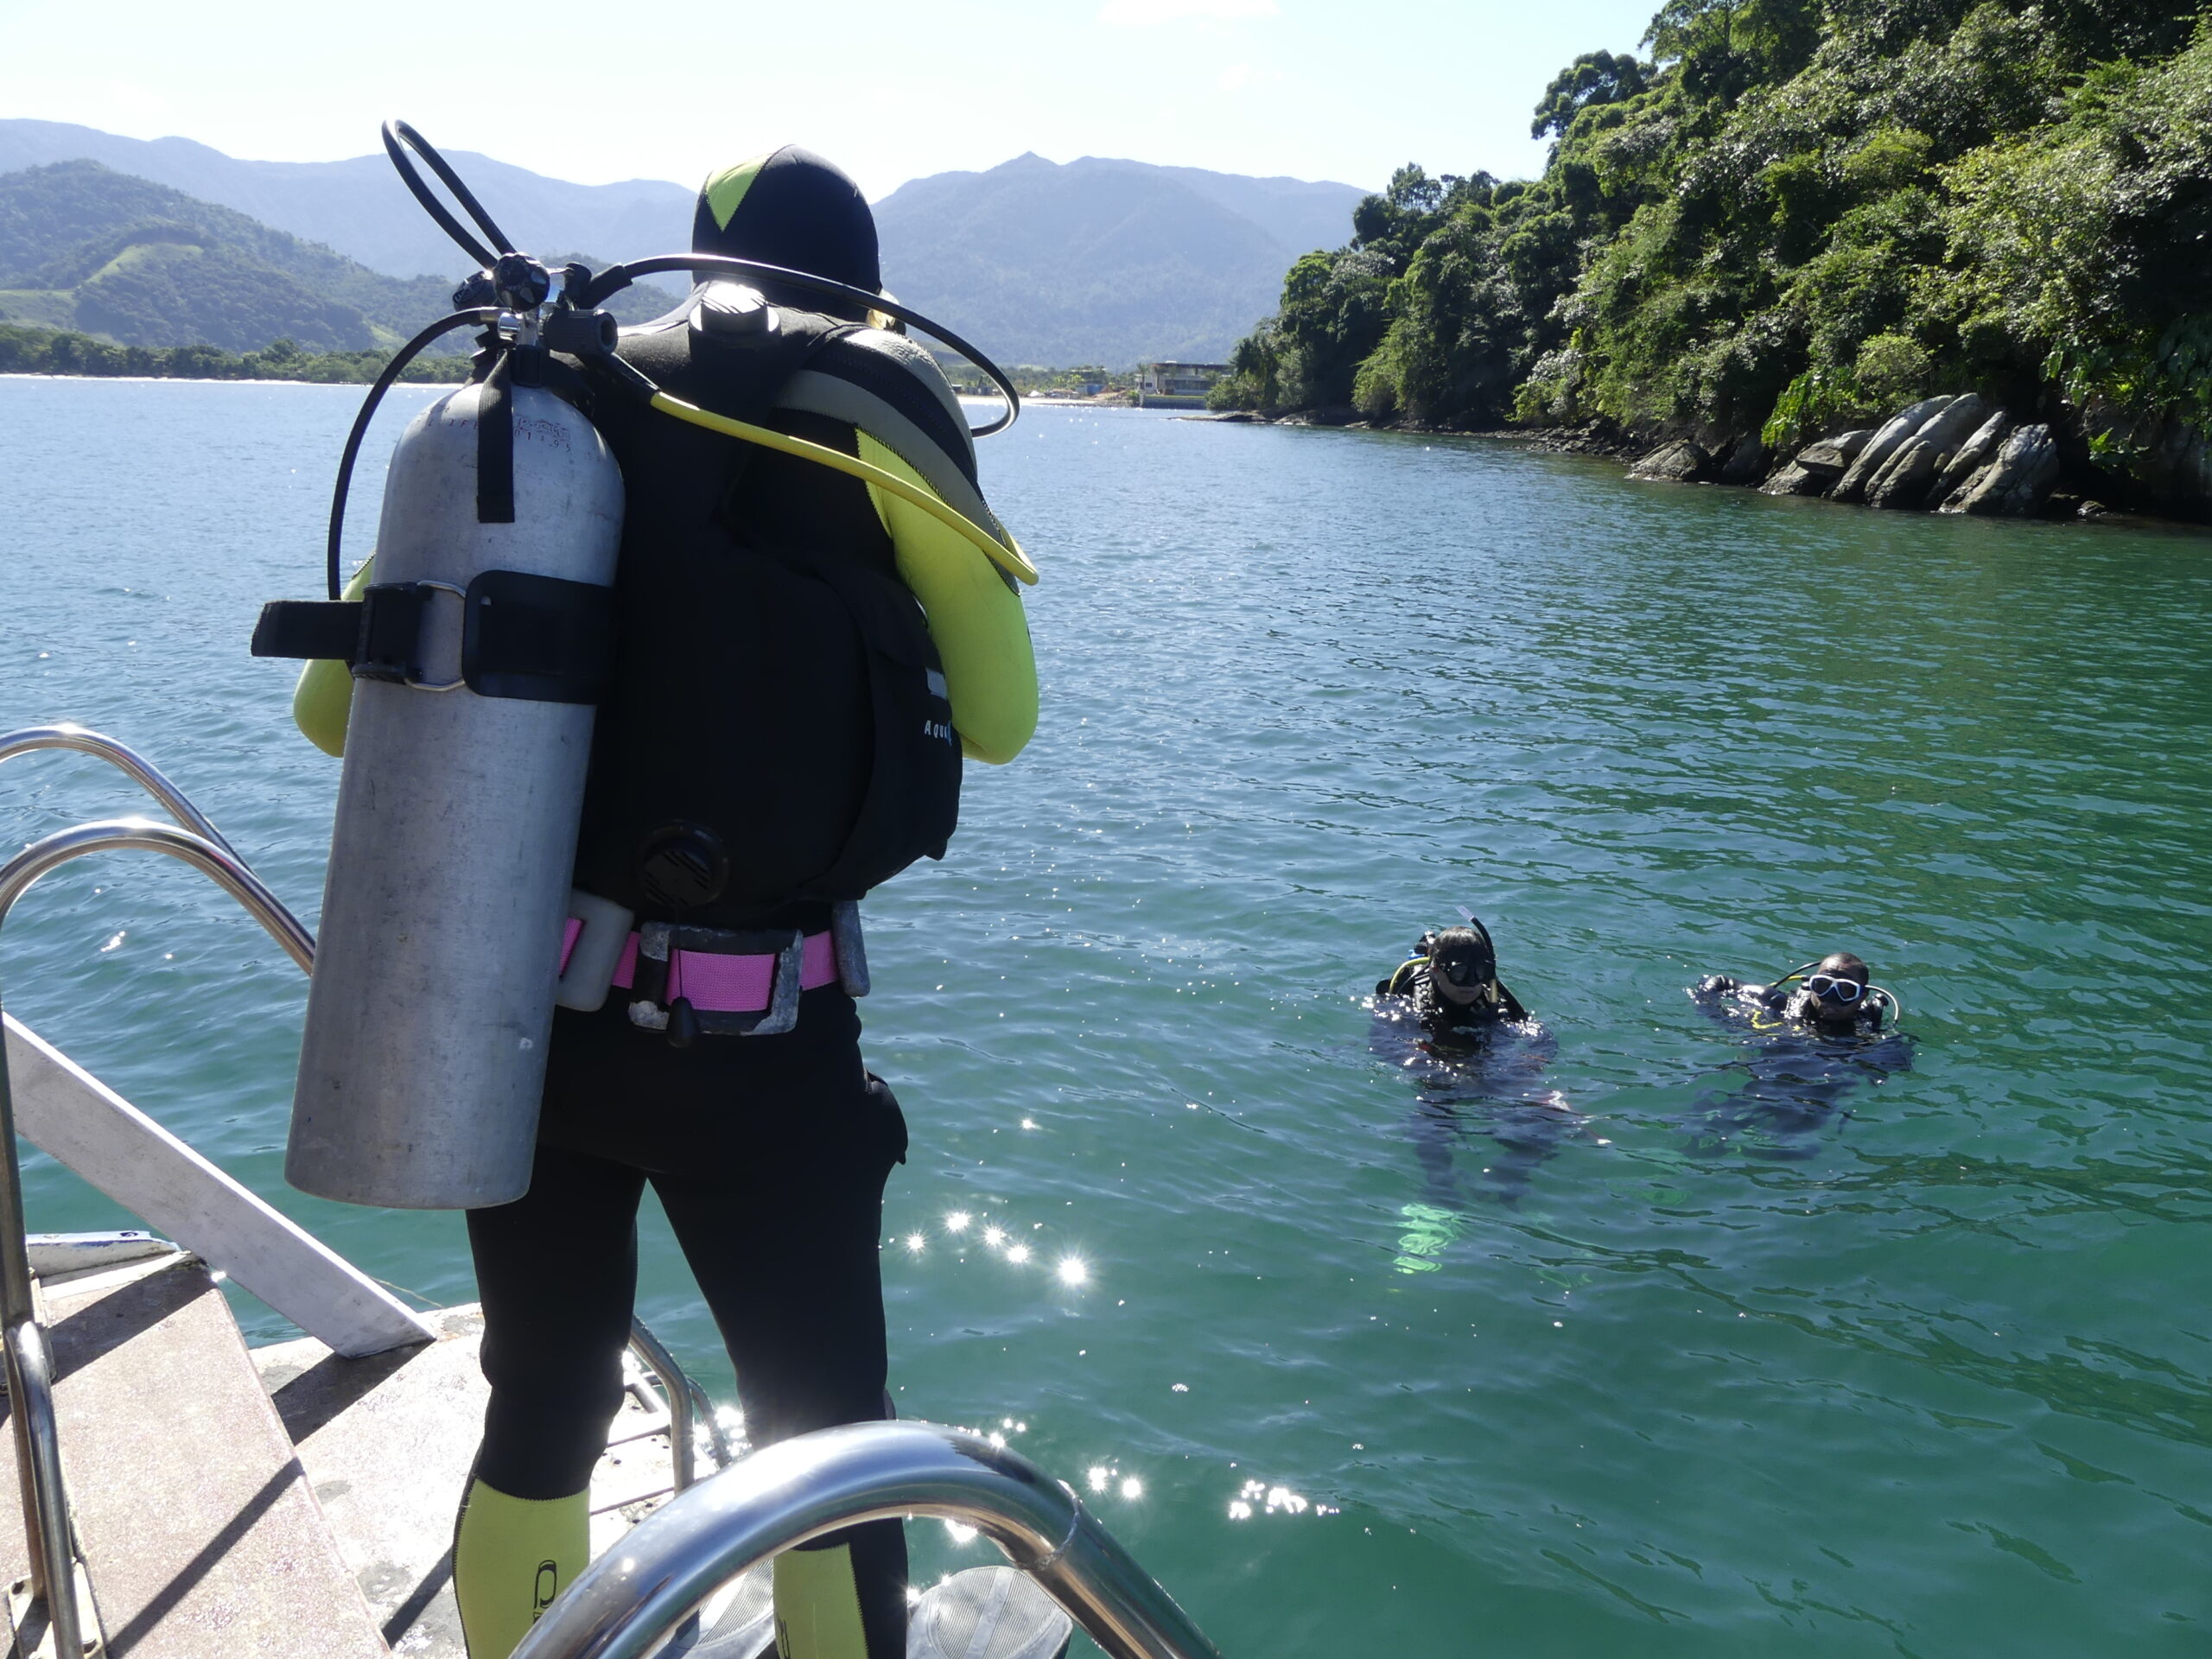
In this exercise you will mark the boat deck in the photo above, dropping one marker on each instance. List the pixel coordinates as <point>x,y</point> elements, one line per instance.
<point>232,1503</point>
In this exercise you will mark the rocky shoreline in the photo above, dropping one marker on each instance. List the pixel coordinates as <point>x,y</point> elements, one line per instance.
<point>1956,454</point>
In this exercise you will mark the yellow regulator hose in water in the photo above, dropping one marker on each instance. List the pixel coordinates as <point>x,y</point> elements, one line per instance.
<point>1009,558</point>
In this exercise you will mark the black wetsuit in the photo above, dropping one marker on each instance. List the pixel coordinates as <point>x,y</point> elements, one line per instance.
<point>761,621</point>
<point>1800,1073</point>
<point>1477,1070</point>
<point>769,1155</point>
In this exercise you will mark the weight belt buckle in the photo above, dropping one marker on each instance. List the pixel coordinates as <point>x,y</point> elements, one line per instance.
<point>658,942</point>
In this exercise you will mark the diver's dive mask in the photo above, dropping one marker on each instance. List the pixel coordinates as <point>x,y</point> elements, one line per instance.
<point>1467,970</point>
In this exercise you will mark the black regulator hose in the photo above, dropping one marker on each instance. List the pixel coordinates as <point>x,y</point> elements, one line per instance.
<point>400,359</point>
<point>398,138</point>
<point>615,278</point>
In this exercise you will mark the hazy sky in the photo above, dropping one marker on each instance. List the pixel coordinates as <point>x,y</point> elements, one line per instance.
<point>1313,88</point>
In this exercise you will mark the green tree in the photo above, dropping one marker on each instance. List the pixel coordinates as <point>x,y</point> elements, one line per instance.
<point>1593,78</point>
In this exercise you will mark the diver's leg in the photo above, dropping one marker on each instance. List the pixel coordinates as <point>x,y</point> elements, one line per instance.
<point>1437,1133</point>
<point>1526,1137</point>
<point>786,1250</point>
<point>557,1271</point>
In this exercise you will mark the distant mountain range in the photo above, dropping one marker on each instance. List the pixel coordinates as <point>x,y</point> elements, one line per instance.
<point>1102,261</point>
<point>359,207</point>
<point>85,248</point>
<point>1095,261</point>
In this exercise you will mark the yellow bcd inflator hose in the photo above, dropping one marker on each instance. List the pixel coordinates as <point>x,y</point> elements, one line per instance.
<point>975,617</point>
<point>1008,558</point>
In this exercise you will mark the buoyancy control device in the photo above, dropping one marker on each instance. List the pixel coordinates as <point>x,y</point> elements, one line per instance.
<point>477,650</point>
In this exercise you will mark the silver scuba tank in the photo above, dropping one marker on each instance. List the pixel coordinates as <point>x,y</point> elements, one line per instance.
<point>432,1000</point>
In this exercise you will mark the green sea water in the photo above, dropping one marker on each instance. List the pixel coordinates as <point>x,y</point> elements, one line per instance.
<point>1938,1382</point>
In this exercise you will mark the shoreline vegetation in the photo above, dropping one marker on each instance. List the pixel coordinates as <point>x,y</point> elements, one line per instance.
<point>1756,252</point>
<point>30,350</point>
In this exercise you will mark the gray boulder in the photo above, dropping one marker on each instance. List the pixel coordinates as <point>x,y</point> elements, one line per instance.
<point>1905,482</point>
<point>1906,477</point>
<point>2016,482</point>
<point>1817,466</point>
<point>1869,462</point>
<point>1746,462</point>
<point>1679,462</point>
<point>1798,480</point>
<point>1971,456</point>
<point>1955,422</point>
<point>1834,454</point>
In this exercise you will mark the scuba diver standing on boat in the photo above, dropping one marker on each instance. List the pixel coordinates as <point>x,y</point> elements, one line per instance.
<point>742,782</point>
<point>1820,1031</point>
<point>812,620</point>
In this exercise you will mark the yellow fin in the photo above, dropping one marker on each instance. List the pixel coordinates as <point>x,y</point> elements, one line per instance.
<point>819,1605</point>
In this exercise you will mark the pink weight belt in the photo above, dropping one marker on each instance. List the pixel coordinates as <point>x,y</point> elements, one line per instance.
<point>714,983</point>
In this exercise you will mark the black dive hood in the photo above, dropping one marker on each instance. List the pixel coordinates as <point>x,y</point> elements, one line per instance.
<point>806,211</point>
<point>792,207</point>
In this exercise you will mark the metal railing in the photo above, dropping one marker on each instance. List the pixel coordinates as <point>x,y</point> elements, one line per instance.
<point>25,1353</point>
<point>689,1408</point>
<point>712,1531</point>
<point>123,759</point>
<point>783,1495</point>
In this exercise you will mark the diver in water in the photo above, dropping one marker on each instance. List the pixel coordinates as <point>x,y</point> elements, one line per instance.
<point>1450,983</point>
<point>1820,1031</point>
<point>1478,1068</point>
<point>766,755</point>
<point>1834,996</point>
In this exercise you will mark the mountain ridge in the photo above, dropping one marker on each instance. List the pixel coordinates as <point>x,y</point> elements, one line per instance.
<point>121,257</point>
<point>1097,260</point>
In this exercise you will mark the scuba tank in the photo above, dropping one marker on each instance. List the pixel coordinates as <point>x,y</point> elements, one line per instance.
<point>432,1000</point>
<point>477,653</point>
<point>478,648</point>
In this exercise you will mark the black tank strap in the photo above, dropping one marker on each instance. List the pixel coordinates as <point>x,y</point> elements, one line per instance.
<point>539,639</point>
<point>495,445</point>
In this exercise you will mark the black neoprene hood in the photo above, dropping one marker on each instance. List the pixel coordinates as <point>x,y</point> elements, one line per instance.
<point>794,209</point>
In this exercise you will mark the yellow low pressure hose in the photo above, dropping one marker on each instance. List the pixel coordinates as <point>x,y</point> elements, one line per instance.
<point>1008,558</point>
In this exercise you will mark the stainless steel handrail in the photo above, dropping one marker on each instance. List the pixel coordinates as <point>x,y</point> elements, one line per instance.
<point>124,759</point>
<point>687,1408</point>
<point>23,1348</point>
<point>676,1557</point>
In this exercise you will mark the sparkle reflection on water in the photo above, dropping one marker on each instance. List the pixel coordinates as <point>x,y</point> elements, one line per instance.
<point>1937,1382</point>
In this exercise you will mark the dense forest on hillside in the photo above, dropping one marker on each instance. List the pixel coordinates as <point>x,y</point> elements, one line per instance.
<point>148,265</point>
<point>50,351</point>
<point>1791,216</point>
